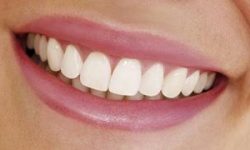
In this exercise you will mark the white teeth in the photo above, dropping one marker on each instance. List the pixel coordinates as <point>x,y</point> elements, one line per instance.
<point>174,82</point>
<point>98,93</point>
<point>96,71</point>
<point>112,96</point>
<point>43,48</point>
<point>126,77</point>
<point>190,83</point>
<point>126,82</point>
<point>76,83</point>
<point>71,62</point>
<point>138,96</point>
<point>36,43</point>
<point>201,83</point>
<point>30,41</point>
<point>152,80</point>
<point>157,97</point>
<point>54,54</point>
<point>210,81</point>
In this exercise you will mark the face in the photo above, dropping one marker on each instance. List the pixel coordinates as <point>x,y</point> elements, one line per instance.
<point>185,65</point>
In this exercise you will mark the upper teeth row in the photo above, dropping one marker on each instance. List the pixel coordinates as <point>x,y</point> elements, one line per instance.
<point>125,79</point>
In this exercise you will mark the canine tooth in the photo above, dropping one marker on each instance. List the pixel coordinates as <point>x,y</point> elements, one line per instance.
<point>71,62</point>
<point>43,48</point>
<point>54,54</point>
<point>30,40</point>
<point>126,77</point>
<point>201,83</point>
<point>36,43</point>
<point>190,83</point>
<point>152,80</point>
<point>63,78</point>
<point>210,81</point>
<point>113,96</point>
<point>98,93</point>
<point>173,82</point>
<point>138,96</point>
<point>76,83</point>
<point>96,71</point>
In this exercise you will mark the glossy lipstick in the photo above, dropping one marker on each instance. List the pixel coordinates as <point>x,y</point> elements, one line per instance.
<point>126,115</point>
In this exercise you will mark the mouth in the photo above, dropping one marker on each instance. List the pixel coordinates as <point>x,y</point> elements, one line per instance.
<point>112,78</point>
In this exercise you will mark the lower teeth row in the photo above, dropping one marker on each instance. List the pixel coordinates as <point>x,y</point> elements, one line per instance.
<point>124,81</point>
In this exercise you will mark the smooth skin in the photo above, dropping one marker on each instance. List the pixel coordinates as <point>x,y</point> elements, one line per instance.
<point>218,29</point>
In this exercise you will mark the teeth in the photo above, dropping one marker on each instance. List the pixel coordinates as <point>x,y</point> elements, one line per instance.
<point>152,80</point>
<point>43,48</point>
<point>138,96</point>
<point>201,83</point>
<point>76,83</point>
<point>54,54</point>
<point>71,63</point>
<point>50,71</point>
<point>174,82</point>
<point>157,97</point>
<point>190,83</point>
<point>126,77</point>
<point>96,71</point>
<point>36,43</point>
<point>126,82</point>
<point>112,96</point>
<point>210,81</point>
<point>98,93</point>
<point>30,41</point>
<point>63,78</point>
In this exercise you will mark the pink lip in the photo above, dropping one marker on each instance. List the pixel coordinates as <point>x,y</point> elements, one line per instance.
<point>126,115</point>
<point>118,42</point>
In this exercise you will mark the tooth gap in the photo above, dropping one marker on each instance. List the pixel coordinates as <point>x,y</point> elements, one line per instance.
<point>32,47</point>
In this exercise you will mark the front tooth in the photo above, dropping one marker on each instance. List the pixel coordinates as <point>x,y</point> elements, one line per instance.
<point>71,62</point>
<point>54,54</point>
<point>201,83</point>
<point>113,96</point>
<point>30,41</point>
<point>174,82</point>
<point>36,43</point>
<point>138,96</point>
<point>126,77</point>
<point>190,83</point>
<point>210,81</point>
<point>43,48</point>
<point>152,80</point>
<point>96,72</point>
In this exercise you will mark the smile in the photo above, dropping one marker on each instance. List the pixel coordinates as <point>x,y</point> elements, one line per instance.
<point>112,78</point>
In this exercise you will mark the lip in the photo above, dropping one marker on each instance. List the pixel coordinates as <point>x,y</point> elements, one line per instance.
<point>119,42</point>
<point>125,115</point>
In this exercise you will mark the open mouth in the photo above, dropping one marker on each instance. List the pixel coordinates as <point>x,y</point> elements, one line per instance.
<point>84,78</point>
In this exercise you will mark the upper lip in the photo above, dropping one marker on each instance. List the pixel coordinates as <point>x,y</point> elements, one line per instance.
<point>125,115</point>
<point>123,43</point>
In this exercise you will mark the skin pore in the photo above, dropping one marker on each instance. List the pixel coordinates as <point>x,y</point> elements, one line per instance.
<point>216,29</point>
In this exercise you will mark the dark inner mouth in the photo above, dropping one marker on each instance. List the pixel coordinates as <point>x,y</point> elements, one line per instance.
<point>31,53</point>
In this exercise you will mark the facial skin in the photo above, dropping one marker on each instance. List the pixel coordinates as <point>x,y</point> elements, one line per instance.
<point>218,29</point>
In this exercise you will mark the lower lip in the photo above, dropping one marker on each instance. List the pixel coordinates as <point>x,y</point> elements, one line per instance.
<point>123,115</point>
